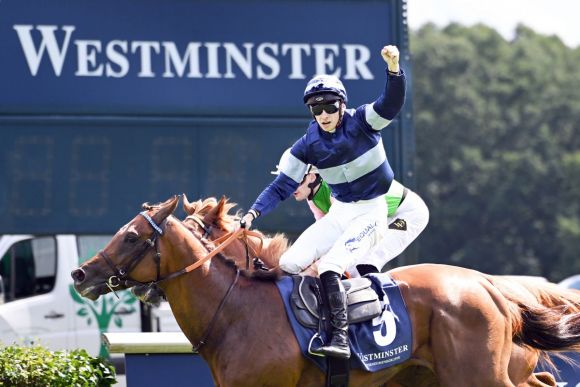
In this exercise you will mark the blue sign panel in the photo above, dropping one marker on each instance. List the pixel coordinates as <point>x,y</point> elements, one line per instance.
<point>186,57</point>
<point>108,104</point>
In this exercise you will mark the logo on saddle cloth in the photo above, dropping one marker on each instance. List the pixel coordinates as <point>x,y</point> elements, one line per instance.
<point>379,326</point>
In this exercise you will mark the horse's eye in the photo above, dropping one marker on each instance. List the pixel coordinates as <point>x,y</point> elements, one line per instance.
<point>131,237</point>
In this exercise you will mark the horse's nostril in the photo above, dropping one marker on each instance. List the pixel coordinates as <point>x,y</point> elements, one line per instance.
<point>78,275</point>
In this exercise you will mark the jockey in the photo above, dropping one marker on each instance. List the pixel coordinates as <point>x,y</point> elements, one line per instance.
<point>346,147</point>
<point>407,217</point>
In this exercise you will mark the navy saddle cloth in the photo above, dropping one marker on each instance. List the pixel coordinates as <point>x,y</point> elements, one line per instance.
<point>379,327</point>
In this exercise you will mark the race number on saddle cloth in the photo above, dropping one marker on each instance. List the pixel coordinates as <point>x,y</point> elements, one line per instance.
<point>376,344</point>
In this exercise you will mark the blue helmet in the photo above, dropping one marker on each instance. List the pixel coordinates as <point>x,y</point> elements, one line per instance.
<point>324,84</point>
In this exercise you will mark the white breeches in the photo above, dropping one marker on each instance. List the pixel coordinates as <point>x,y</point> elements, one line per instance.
<point>407,223</point>
<point>345,235</point>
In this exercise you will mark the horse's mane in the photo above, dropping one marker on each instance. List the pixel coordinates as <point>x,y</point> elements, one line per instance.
<point>259,275</point>
<point>273,247</point>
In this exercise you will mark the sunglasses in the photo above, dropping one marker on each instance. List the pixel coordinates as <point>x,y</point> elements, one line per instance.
<point>328,108</point>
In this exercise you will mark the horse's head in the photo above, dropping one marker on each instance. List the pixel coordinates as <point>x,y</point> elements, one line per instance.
<point>118,266</point>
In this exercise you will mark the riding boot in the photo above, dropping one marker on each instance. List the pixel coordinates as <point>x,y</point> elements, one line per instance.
<point>336,297</point>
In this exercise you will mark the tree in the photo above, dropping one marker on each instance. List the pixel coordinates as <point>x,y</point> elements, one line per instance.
<point>496,149</point>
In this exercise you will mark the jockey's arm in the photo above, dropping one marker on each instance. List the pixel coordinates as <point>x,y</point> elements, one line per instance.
<point>381,112</point>
<point>282,187</point>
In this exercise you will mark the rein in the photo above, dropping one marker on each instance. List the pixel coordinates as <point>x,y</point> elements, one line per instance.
<point>207,231</point>
<point>223,241</point>
<point>122,274</point>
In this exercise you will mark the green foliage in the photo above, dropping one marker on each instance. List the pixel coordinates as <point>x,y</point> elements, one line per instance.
<point>37,366</point>
<point>497,149</point>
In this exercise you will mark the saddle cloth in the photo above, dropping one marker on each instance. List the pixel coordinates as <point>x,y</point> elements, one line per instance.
<point>363,303</point>
<point>378,343</point>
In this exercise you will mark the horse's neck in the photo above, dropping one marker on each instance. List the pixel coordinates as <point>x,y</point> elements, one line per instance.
<point>194,297</point>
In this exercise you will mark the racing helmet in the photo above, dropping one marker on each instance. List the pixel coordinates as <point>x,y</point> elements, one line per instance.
<point>324,85</point>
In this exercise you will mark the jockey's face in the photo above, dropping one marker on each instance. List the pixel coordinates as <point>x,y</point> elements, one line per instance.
<point>329,121</point>
<point>303,191</point>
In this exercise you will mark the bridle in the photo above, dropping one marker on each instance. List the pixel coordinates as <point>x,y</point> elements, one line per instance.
<point>122,275</point>
<point>200,223</point>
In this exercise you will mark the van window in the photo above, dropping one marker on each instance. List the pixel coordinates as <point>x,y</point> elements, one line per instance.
<point>29,268</point>
<point>90,245</point>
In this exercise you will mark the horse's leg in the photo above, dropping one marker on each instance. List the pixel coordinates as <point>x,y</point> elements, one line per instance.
<point>522,364</point>
<point>541,379</point>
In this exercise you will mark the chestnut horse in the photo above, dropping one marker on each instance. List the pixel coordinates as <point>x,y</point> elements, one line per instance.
<point>464,325</point>
<point>212,218</point>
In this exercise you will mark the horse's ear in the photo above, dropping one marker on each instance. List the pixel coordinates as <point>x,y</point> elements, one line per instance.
<point>216,213</point>
<point>166,208</point>
<point>188,207</point>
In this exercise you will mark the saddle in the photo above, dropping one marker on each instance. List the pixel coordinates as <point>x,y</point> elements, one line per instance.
<point>362,302</point>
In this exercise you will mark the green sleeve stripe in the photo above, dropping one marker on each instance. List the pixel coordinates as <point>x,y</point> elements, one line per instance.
<point>322,198</point>
<point>394,197</point>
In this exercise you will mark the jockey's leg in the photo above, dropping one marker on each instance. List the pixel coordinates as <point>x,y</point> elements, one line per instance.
<point>336,296</point>
<point>313,243</point>
<point>358,238</point>
<point>408,222</point>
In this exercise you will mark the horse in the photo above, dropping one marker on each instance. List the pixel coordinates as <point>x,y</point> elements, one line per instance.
<point>464,324</point>
<point>212,218</point>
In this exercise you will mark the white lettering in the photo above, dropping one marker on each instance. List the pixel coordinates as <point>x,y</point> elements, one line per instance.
<point>172,57</point>
<point>48,43</point>
<point>212,60</point>
<point>145,48</point>
<point>243,62</point>
<point>87,56</point>
<point>118,58</point>
<point>324,56</point>
<point>357,64</point>
<point>268,60</point>
<point>296,58</point>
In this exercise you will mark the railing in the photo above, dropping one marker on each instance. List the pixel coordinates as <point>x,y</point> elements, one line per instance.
<point>158,358</point>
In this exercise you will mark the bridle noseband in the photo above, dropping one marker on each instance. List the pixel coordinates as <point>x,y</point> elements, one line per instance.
<point>122,275</point>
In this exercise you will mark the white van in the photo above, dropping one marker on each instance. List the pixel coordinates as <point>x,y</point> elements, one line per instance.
<point>38,303</point>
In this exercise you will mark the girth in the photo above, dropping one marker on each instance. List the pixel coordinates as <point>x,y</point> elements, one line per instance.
<point>363,303</point>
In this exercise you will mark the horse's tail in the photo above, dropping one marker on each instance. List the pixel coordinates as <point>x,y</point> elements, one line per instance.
<point>544,316</point>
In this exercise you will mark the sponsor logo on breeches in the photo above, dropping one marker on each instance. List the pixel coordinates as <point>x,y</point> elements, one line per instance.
<point>353,243</point>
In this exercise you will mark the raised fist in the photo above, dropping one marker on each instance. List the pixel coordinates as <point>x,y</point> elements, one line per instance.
<point>391,56</point>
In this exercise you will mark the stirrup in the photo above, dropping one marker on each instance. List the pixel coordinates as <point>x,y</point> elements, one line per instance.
<point>315,337</point>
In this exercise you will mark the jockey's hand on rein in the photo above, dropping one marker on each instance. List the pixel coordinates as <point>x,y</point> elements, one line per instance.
<point>246,221</point>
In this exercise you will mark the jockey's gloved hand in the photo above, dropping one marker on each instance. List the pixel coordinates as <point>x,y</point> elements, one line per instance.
<point>246,221</point>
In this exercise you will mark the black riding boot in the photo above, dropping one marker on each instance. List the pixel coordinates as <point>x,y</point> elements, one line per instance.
<point>336,297</point>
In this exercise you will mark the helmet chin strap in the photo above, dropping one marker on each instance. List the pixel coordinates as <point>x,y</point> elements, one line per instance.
<point>340,114</point>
